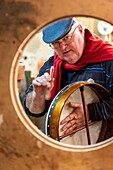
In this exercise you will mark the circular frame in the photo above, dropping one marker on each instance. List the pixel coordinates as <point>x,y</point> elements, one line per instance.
<point>24,118</point>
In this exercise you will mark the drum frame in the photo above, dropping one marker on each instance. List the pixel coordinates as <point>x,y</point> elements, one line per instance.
<point>100,91</point>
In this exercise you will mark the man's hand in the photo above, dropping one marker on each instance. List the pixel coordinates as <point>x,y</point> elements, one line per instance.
<point>75,119</point>
<point>35,100</point>
<point>42,81</point>
<point>43,84</point>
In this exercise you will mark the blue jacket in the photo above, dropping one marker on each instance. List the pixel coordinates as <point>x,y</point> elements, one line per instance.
<point>101,73</point>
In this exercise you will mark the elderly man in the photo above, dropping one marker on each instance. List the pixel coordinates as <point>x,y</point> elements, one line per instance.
<point>78,56</point>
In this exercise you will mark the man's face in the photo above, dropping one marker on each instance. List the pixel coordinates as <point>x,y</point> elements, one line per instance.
<point>73,51</point>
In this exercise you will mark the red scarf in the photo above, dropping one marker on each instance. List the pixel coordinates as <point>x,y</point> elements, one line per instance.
<point>96,50</point>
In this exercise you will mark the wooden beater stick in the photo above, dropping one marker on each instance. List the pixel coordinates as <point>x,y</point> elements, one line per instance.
<point>85,115</point>
<point>48,93</point>
<point>77,130</point>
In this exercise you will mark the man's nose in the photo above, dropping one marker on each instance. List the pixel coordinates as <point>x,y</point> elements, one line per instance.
<point>63,45</point>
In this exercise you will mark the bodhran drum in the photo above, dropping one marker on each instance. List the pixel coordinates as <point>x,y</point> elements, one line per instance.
<point>59,109</point>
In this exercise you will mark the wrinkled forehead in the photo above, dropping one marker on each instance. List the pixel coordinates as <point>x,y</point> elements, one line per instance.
<point>58,30</point>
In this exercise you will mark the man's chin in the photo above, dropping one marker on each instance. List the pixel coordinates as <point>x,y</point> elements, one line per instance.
<point>70,62</point>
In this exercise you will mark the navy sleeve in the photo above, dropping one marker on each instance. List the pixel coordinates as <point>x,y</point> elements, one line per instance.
<point>103,110</point>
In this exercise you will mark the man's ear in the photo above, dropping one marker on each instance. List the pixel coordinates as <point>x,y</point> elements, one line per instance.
<point>81,29</point>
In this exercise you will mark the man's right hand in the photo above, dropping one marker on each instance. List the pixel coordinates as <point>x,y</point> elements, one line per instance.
<point>35,100</point>
<point>42,84</point>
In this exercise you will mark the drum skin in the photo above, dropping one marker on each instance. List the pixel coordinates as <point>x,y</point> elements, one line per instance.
<point>59,109</point>
<point>22,145</point>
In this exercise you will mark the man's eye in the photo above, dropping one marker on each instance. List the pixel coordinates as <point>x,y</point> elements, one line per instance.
<point>67,37</point>
<point>55,43</point>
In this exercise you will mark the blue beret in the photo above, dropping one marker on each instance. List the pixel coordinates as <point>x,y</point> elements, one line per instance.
<point>57,30</point>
